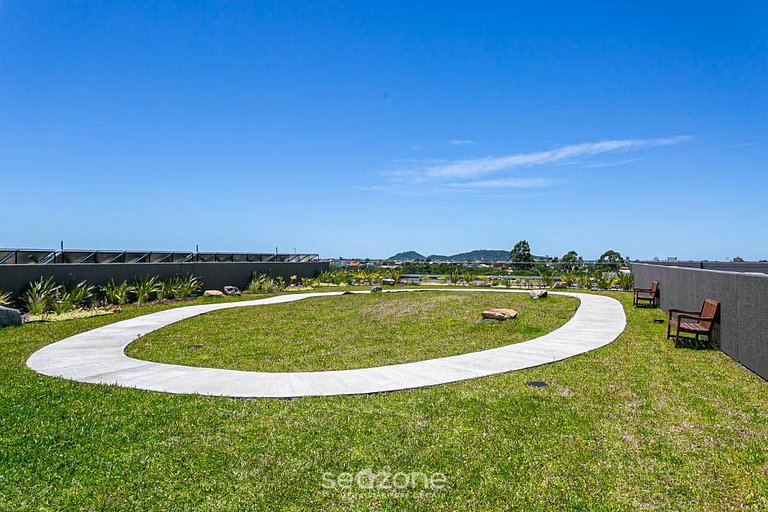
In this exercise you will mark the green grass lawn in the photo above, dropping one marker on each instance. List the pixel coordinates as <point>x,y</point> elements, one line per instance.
<point>637,424</point>
<point>352,331</point>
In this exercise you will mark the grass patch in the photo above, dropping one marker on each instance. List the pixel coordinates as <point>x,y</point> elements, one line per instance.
<point>634,425</point>
<point>351,331</point>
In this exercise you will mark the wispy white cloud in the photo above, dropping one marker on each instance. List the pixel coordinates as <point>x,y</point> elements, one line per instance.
<point>431,176</point>
<point>504,183</point>
<point>461,142</point>
<point>596,165</point>
<point>471,168</point>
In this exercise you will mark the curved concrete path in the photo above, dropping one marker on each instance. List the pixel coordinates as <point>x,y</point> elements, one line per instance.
<point>98,356</point>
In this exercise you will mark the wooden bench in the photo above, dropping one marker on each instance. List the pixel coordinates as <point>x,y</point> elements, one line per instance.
<point>698,323</point>
<point>648,295</point>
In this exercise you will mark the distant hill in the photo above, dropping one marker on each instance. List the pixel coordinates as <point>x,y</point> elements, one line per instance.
<point>407,256</point>
<point>476,255</point>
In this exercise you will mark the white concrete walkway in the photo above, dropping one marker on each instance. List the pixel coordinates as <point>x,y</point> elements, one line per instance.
<point>98,356</point>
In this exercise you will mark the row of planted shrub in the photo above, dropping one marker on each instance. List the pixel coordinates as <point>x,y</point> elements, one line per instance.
<point>574,278</point>
<point>47,296</point>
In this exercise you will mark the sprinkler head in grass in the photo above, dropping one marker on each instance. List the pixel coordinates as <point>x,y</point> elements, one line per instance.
<point>536,384</point>
<point>195,347</point>
<point>658,320</point>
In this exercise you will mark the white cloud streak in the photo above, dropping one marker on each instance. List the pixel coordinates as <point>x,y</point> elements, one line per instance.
<point>471,168</point>
<point>461,142</point>
<point>431,176</point>
<point>504,183</point>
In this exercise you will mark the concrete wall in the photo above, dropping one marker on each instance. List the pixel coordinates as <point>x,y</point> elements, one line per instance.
<point>729,266</point>
<point>14,278</point>
<point>742,332</point>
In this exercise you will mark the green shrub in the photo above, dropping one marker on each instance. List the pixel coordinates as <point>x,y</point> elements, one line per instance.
<point>547,276</point>
<point>165,289</point>
<point>117,293</point>
<point>40,296</point>
<point>81,294</point>
<point>258,282</point>
<point>625,281</point>
<point>601,280</point>
<point>186,286</point>
<point>395,275</point>
<point>145,287</point>
<point>63,302</point>
<point>5,298</point>
<point>570,279</point>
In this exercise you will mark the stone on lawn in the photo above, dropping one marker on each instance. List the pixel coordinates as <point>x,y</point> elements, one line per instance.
<point>388,281</point>
<point>499,314</point>
<point>9,316</point>
<point>560,284</point>
<point>232,291</point>
<point>539,294</point>
<point>213,293</point>
<point>376,289</point>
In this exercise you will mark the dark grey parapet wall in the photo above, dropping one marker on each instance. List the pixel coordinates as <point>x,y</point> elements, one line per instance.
<point>14,278</point>
<point>743,328</point>
<point>729,266</point>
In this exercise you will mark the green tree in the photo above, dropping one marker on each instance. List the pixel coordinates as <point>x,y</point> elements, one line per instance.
<point>611,258</point>
<point>521,252</point>
<point>570,257</point>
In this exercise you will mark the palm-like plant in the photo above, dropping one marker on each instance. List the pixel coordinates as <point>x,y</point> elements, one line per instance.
<point>116,293</point>
<point>145,287</point>
<point>395,274</point>
<point>63,302</point>
<point>569,279</point>
<point>5,298</point>
<point>186,286</point>
<point>80,294</point>
<point>601,280</point>
<point>165,289</point>
<point>326,278</point>
<point>40,295</point>
<point>547,276</point>
<point>585,281</point>
<point>624,281</point>
<point>469,278</point>
<point>258,283</point>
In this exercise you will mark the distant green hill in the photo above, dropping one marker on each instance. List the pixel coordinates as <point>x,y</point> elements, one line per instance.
<point>407,256</point>
<point>476,255</point>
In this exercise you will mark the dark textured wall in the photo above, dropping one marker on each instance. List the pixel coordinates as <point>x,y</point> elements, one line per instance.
<point>730,266</point>
<point>14,278</point>
<point>742,332</point>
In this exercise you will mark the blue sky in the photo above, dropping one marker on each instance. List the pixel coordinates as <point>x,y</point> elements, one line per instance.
<point>366,128</point>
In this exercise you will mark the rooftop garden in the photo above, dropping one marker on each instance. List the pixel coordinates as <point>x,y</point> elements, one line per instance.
<point>637,424</point>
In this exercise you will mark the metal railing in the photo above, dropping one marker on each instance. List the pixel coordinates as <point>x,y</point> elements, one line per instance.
<point>49,256</point>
